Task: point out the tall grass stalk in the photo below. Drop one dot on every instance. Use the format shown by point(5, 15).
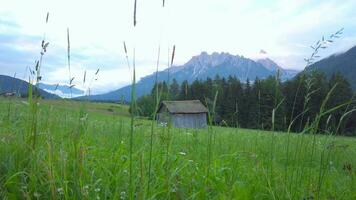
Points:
point(127, 57)
point(133, 110)
point(154, 114)
point(167, 157)
point(68, 62)
point(169, 64)
point(289, 188)
point(211, 115)
point(273, 136)
point(50, 152)
point(9, 104)
point(323, 160)
point(134, 16)
point(315, 128)
point(272, 149)
point(291, 120)
point(34, 102)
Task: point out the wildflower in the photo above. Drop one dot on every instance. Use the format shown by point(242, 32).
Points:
point(37, 195)
point(123, 195)
point(164, 124)
point(60, 191)
point(97, 190)
point(85, 190)
point(84, 118)
point(182, 153)
point(174, 189)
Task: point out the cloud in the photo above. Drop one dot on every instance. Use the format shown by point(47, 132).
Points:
point(20, 51)
point(285, 29)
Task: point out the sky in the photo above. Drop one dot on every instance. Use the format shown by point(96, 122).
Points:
point(285, 29)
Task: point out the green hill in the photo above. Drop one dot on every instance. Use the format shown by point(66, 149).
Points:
point(19, 87)
point(343, 63)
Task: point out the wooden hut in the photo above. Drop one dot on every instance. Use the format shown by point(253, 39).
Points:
point(8, 94)
point(183, 114)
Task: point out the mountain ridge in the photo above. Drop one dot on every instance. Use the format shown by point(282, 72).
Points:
point(343, 63)
point(10, 84)
point(200, 67)
point(272, 66)
point(61, 90)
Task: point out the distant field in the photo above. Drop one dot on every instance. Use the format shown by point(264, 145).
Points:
point(82, 151)
point(93, 107)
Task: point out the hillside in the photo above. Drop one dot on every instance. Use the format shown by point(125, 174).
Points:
point(201, 67)
point(343, 63)
point(20, 87)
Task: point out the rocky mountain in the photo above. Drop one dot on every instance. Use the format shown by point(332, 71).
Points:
point(10, 84)
point(285, 74)
point(343, 63)
point(61, 90)
point(201, 67)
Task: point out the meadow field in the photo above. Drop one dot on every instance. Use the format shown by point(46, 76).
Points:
point(85, 150)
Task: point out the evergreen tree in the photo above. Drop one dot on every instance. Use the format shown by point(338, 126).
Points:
point(251, 105)
point(146, 105)
point(184, 91)
point(318, 88)
point(254, 120)
point(341, 95)
point(174, 89)
point(294, 92)
point(234, 91)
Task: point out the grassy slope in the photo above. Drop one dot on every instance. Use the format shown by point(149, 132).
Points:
point(86, 156)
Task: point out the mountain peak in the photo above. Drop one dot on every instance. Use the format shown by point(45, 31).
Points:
point(201, 67)
point(269, 64)
point(213, 59)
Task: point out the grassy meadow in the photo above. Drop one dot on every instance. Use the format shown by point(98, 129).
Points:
point(83, 151)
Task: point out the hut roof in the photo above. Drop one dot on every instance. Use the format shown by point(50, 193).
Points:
point(184, 107)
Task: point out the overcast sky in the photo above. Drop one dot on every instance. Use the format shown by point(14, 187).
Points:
point(283, 28)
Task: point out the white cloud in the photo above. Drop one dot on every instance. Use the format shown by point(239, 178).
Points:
point(283, 28)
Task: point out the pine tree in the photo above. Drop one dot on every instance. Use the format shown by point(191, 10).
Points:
point(341, 95)
point(174, 89)
point(234, 91)
point(250, 105)
point(294, 92)
point(184, 91)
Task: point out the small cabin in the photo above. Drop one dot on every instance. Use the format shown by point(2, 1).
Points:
point(8, 94)
point(183, 114)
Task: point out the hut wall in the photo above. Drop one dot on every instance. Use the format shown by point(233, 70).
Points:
point(189, 120)
point(163, 117)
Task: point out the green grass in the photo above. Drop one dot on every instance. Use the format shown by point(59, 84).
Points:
point(82, 152)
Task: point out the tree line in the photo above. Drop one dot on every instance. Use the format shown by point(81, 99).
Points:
point(267, 104)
